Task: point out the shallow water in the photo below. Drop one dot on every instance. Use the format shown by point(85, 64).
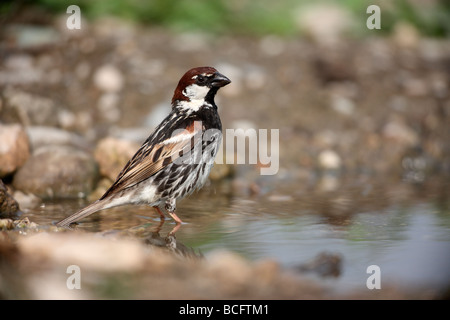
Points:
point(406, 235)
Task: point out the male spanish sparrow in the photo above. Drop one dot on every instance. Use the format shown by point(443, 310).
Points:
point(177, 157)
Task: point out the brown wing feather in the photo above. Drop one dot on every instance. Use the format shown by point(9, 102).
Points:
point(143, 165)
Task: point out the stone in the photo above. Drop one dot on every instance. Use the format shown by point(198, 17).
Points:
point(329, 160)
point(27, 108)
point(108, 78)
point(6, 224)
point(26, 200)
point(342, 105)
point(43, 136)
point(14, 148)
point(108, 107)
point(397, 130)
point(32, 36)
point(405, 35)
point(57, 172)
point(334, 19)
point(8, 205)
point(112, 155)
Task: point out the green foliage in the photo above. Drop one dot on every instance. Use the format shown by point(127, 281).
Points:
point(254, 17)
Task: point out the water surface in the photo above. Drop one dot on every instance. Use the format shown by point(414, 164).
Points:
point(406, 236)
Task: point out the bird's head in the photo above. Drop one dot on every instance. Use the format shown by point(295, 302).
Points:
point(197, 87)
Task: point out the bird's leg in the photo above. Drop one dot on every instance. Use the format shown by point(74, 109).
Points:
point(161, 214)
point(175, 229)
point(171, 207)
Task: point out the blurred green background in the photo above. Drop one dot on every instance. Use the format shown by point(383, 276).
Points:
point(250, 17)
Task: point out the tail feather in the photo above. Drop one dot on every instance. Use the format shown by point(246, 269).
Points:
point(90, 209)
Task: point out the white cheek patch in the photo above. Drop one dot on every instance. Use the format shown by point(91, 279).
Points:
point(196, 95)
point(196, 92)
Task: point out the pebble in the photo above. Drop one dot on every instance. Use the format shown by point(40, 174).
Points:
point(108, 106)
point(88, 251)
point(400, 132)
point(32, 36)
point(108, 78)
point(26, 200)
point(112, 154)
point(57, 172)
point(406, 36)
point(229, 267)
point(325, 264)
point(334, 20)
point(342, 105)
point(272, 45)
point(221, 171)
point(43, 136)
point(329, 160)
point(8, 205)
point(280, 198)
point(256, 79)
point(190, 42)
point(29, 109)
point(6, 224)
point(14, 148)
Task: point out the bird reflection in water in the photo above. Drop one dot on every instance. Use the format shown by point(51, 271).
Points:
point(170, 243)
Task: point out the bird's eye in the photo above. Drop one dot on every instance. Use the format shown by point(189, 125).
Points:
point(201, 79)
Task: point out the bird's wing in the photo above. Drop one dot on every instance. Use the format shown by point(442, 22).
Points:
point(154, 156)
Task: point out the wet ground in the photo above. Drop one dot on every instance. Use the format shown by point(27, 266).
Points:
point(363, 176)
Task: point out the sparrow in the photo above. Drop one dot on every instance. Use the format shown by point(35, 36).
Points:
point(178, 155)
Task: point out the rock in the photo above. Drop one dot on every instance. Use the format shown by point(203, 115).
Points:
point(112, 154)
point(32, 36)
point(272, 45)
point(397, 130)
point(328, 183)
point(108, 107)
point(415, 87)
point(221, 171)
point(6, 224)
point(18, 69)
point(136, 134)
point(405, 35)
point(26, 200)
point(190, 42)
point(329, 160)
point(57, 172)
point(8, 205)
point(342, 105)
point(28, 109)
point(44, 136)
point(231, 269)
point(108, 78)
point(335, 20)
point(326, 264)
point(24, 223)
point(14, 148)
point(279, 198)
point(103, 254)
point(256, 79)
point(102, 185)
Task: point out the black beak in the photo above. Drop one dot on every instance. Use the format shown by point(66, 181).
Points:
point(219, 80)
